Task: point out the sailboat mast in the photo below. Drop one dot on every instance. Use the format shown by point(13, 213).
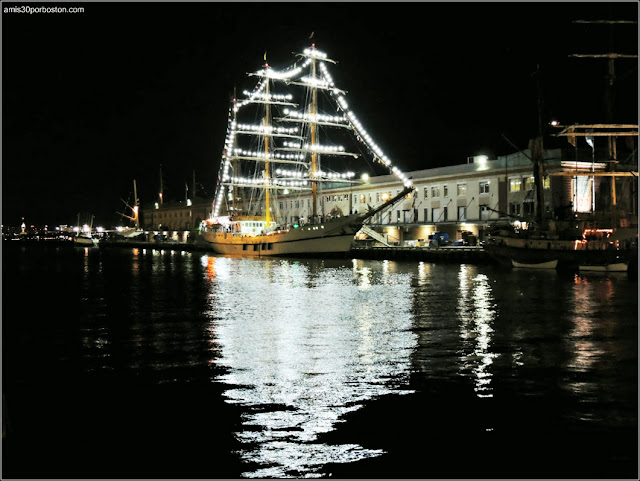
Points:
point(135, 204)
point(267, 199)
point(234, 165)
point(313, 112)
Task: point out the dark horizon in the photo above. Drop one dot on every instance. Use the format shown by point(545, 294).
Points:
point(97, 99)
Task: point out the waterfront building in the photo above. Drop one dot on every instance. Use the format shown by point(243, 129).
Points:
point(462, 200)
point(175, 216)
point(471, 198)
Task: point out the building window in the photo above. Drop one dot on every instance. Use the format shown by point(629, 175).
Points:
point(397, 216)
point(515, 185)
point(514, 208)
point(297, 204)
point(377, 196)
point(462, 190)
point(462, 213)
point(529, 183)
point(426, 215)
point(484, 186)
point(280, 205)
point(363, 199)
point(445, 190)
point(426, 192)
point(546, 183)
point(527, 208)
point(444, 214)
point(484, 212)
point(435, 191)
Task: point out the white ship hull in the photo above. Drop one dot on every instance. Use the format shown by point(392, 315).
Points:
point(332, 237)
point(81, 241)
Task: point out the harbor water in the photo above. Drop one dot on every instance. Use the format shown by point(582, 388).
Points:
point(128, 363)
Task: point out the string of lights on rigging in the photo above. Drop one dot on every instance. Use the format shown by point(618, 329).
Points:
point(348, 118)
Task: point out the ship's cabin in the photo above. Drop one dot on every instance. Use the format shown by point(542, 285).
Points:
point(251, 227)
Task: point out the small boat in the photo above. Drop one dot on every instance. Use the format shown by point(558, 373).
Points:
point(616, 267)
point(541, 265)
point(85, 241)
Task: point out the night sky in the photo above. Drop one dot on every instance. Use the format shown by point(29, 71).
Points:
point(94, 100)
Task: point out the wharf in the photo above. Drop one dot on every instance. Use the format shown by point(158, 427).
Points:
point(457, 254)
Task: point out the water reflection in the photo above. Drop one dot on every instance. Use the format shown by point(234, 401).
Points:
point(303, 348)
point(476, 311)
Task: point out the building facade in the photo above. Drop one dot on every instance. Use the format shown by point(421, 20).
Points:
point(464, 199)
point(175, 216)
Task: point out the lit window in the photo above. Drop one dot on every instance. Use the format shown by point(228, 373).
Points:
point(435, 191)
point(515, 184)
point(462, 190)
point(529, 183)
point(445, 190)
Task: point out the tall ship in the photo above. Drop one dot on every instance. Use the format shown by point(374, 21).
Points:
point(289, 137)
point(587, 238)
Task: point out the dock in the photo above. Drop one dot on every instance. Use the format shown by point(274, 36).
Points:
point(453, 254)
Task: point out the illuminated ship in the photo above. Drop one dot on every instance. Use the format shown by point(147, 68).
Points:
point(589, 241)
point(287, 157)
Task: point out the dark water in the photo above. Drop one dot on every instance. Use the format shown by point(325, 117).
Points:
point(131, 363)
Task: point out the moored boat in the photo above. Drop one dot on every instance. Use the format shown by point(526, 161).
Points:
point(84, 241)
point(616, 267)
point(288, 154)
point(541, 265)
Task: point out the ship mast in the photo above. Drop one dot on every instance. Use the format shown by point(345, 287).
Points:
point(136, 205)
point(266, 154)
point(609, 97)
point(313, 112)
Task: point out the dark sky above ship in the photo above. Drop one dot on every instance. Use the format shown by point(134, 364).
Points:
point(94, 100)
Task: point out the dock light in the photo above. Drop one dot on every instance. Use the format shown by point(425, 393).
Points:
point(482, 159)
point(157, 206)
point(365, 177)
point(555, 123)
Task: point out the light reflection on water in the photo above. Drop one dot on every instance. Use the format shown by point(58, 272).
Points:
point(309, 347)
point(476, 311)
point(303, 348)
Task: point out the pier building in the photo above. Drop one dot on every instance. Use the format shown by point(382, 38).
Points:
point(464, 201)
point(469, 199)
point(175, 216)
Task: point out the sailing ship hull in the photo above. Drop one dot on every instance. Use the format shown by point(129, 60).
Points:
point(329, 238)
point(569, 254)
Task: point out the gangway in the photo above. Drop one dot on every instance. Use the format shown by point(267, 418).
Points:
point(374, 235)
